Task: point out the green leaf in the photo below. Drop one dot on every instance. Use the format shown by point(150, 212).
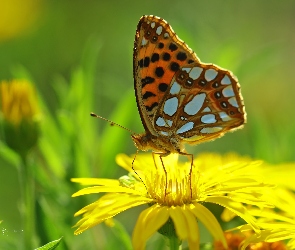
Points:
point(51, 245)
point(9, 155)
point(121, 233)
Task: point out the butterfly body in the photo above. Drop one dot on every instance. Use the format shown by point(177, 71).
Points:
point(161, 144)
point(180, 99)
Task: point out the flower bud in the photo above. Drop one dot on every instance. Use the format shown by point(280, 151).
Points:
point(20, 113)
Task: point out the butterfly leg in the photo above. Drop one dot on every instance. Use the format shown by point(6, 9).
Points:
point(134, 161)
point(134, 169)
point(161, 155)
point(191, 170)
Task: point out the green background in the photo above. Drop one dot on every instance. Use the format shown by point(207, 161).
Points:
point(79, 56)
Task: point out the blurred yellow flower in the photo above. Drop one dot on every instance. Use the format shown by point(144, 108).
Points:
point(17, 16)
point(276, 224)
point(175, 193)
point(20, 113)
point(18, 101)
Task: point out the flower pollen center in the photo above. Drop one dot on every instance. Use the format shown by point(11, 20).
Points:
point(173, 187)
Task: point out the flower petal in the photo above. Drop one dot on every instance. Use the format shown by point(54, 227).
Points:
point(106, 189)
point(193, 229)
point(99, 211)
point(179, 221)
point(124, 161)
point(237, 208)
point(96, 181)
point(210, 222)
point(149, 221)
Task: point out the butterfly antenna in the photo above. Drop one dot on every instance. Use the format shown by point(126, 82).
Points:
point(111, 122)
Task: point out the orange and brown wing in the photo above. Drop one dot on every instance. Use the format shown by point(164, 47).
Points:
point(158, 54)
point(203, 103)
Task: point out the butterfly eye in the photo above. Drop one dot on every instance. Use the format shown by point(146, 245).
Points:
point(148, 33)
point(231, 112)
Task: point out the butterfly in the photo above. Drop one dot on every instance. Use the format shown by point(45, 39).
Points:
point(180, 99)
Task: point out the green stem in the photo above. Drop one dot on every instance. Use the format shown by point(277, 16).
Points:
point(168, 231)
point(28, 205)
point(174, 243)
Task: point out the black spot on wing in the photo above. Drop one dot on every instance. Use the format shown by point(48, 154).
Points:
point(181, 56)
point(215, 85)
point(163, 87)
point(173, 47)
point(148, 94)
point(161, 45)
point(224, 105)
point(174, 66)
point(189, 82)
point(166, 56)
point(140, 63)
point(147, 80)
point(146, 62)
point(155, 57)
point(202, 83)
point(217, 95)
point(150, 108)
point(159, 72)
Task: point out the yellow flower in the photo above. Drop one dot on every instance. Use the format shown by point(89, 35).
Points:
point(18, 101)
point(17, 16)
point(175, 191)
point(20, 114)
point(276, 224)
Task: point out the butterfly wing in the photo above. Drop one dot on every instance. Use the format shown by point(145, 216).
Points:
point(158, 54)
point(202, 103)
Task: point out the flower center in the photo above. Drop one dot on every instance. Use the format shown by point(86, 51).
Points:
point(174, 186)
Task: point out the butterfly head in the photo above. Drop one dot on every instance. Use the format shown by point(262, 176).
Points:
point(142, 141)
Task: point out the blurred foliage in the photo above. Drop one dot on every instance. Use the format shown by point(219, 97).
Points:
point(79, 55)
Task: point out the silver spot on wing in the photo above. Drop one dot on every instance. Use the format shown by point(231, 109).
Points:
point(228, 91)
point(209, 118)
point(175, 88)
point(195, 104)
point(159, 30)
point(225, 80)
point(210, 74)
point(186, 127)
point(170, 106)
